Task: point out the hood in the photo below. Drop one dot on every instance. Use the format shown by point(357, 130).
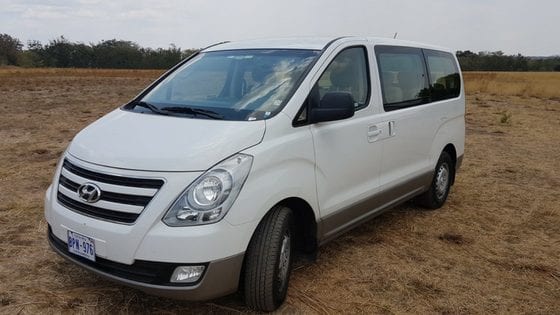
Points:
point(150, 142)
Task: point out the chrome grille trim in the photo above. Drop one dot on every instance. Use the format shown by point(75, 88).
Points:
point(122, 198)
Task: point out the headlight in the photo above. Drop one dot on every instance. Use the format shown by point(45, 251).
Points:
point(210, 196)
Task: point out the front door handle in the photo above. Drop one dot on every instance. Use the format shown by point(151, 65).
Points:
point(373, 133)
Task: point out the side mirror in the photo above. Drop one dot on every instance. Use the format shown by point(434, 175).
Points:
point(333, 106)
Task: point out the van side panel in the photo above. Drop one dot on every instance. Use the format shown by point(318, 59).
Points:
point(417, 134)
point(403, 84)
point(452, 129)
point(283, 167)
point(422, 125)
point(366, 209)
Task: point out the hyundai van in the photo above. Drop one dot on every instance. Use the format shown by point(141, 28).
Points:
point(249, 154)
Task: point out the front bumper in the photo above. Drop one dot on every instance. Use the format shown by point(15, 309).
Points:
point(221, 277)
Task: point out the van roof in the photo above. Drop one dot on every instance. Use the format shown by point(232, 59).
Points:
point(313, 43)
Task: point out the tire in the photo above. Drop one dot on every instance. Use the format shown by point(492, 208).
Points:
point(268, 262)
point(444, 173)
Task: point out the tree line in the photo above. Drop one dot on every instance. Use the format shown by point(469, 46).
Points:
point(121, 54)
point(61, 53)
point(498, 61)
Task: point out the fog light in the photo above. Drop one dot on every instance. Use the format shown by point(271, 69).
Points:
point(187, 274)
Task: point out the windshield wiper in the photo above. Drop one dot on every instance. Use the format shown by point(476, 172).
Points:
point(151, 107)
point(193, 111)
point(178, 110)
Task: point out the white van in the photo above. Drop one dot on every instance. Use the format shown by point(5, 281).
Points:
point(249, 153)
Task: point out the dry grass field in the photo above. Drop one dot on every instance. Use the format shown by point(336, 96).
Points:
point(493, 248)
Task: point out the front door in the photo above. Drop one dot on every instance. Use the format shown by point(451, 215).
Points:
point(347, 152)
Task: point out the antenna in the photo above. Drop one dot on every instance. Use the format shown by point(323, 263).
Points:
point(395, 36)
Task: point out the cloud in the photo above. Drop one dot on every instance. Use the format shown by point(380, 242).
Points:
point(512, 26)
point(141, 14)
point(43, 12)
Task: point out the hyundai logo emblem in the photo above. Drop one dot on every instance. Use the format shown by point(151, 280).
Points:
point(89, 192)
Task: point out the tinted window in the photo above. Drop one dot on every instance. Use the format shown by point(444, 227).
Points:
point(403, 76)
point(348, 72)
point(445, 81)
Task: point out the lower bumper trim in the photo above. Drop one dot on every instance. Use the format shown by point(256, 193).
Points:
point(221, 277)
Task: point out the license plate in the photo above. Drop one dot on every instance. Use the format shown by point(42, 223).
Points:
point(81, 245)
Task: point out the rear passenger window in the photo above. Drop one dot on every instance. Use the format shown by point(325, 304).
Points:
point(445, 80)
point(403, 76)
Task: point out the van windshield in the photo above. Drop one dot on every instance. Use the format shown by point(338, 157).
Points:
point(231, 85)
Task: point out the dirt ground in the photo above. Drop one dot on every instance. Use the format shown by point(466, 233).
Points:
point(493, 248)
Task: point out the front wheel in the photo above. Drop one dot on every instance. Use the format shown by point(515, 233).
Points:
point(436, 196)
point(268, 262)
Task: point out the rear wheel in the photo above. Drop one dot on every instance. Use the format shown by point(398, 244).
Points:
point(436, 196)
point(268, 262)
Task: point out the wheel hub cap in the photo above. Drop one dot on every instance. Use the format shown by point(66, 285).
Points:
point(442, 181)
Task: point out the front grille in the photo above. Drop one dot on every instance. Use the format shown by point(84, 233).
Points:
point(156, 273)
point(113, 179)
point(95, 211)
point(122, 198)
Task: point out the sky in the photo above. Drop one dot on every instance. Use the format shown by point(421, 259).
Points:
point(531, 28)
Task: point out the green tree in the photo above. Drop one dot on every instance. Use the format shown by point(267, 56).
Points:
point(57, 53)
point(161, 58)
point(498, 61)
point(10, 48)
point(117, 54)
point(34, 56)
point(188, 52)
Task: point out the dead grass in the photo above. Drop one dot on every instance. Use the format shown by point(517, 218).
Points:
point(494, 247)
point(544, 85)
point(79, 72)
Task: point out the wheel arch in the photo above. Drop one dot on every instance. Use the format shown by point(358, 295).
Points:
point(450, 149)
point(305, 225)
